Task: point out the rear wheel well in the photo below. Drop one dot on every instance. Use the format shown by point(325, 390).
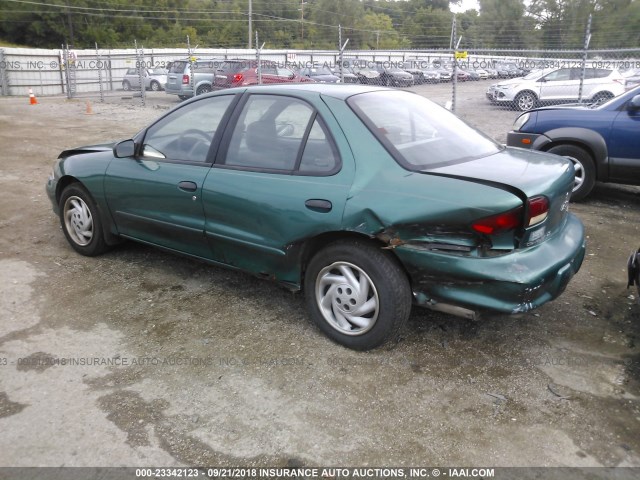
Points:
point(313, 245)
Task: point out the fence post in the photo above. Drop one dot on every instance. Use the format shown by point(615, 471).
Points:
point(587, 39)
point(67, 72)
point(259, 66)
point(4, 78)
point(141, 75)
point(454, 80)
point(99, 66)
point(191, 63)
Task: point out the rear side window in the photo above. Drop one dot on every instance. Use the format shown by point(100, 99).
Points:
point(178, 67)
point(418, 133)
point(281, 134)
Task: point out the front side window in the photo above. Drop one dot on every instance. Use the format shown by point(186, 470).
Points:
point(559, 75)
point(187, 133)
point(418, 133)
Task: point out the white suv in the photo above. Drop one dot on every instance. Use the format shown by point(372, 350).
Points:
point(559, 85)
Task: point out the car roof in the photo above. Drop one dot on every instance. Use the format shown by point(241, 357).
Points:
point(340, 91)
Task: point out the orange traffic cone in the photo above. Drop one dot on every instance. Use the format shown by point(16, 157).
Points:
point(89, 109)
point(32, 98)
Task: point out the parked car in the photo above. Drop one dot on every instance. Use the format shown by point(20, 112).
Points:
point(187, 76)
point(508, 70)
point(319, 74)
point(393, 76)
point(431, 75)
point(602, 142)
point(237, 73)
point(365, 74)
point(415, 69)
point(154, 79)
point(559, 85)
point(631, 78)
point(327, 189)
point(463, 75)
point(492, 72)
point(481, 72)
point(345, 74)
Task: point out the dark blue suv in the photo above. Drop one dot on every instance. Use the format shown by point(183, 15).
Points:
point(603, 142)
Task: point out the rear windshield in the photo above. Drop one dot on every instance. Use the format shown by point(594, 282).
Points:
point(420, 134)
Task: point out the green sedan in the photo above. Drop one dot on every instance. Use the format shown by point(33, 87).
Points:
point(370, 200)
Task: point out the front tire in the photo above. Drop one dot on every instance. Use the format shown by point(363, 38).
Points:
point(80, 221)
point(525, 101)
point(155, 86)
point(584, 166)
point(126, 86)
point(357, 294)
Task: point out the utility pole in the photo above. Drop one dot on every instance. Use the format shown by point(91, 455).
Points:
point(250, 15)
point(301, 9)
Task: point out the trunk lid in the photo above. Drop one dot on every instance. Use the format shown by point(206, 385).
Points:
point(527, 175)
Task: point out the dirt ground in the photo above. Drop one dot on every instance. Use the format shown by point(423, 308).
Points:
point(142, 358)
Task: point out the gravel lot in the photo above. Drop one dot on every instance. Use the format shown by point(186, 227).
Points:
point(172, 362)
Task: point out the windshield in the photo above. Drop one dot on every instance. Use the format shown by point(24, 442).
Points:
point(534, 75)
point(320, 71)
point(420, 134)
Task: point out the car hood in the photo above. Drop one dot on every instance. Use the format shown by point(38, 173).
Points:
point(369, 73)
point(103, 147)
point(569, 106)
point(532, 173)
point(325, 78)
point(512, 81)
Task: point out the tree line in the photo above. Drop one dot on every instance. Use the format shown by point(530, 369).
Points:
point(314, 24)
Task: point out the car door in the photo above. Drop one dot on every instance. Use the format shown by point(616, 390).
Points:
point(156, 196)
point(133, 78)
point(279, 179)
point(558, 85)
point(624, 147)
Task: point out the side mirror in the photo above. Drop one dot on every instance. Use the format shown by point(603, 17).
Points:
point(634, 104)
point(124, 149)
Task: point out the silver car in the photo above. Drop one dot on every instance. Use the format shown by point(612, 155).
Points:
point(559, 85)
point(154, 79)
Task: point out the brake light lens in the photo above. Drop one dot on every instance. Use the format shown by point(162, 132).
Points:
point(538, 209)
point(185, 79)
point(237, 78)
point(500, 223)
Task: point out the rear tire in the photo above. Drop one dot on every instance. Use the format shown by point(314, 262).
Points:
point(602, 97)
point(584, 166)
point(202, 89)
point(357, 294)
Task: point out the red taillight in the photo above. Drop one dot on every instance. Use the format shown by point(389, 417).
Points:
point(237, 78)
point(538, 208)
point(499, 223)
point(185, 79)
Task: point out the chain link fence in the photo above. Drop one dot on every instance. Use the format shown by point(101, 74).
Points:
point(506, 79)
